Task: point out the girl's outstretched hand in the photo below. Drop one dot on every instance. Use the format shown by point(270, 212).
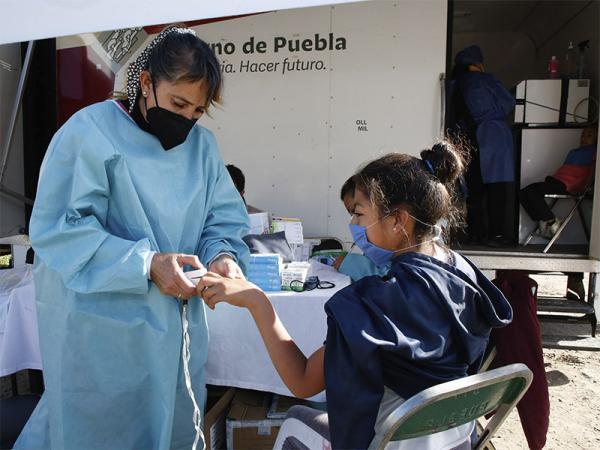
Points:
point(214, 288)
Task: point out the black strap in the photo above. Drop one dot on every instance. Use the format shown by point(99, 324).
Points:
point(564, 93)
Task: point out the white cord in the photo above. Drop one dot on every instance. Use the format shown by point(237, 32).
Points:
point(185, 355)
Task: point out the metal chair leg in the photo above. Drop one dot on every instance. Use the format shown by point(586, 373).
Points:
point(584, 224)
point(537, 224)
point(530, 237)
point(591, 297)
point(562, 227)
point(593, 323)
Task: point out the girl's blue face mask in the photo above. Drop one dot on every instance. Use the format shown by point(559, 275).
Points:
point(381, 256)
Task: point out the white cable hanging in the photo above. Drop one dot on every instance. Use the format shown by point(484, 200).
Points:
point(185, 356)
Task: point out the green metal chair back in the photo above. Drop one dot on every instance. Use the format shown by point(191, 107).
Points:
point(457, 402)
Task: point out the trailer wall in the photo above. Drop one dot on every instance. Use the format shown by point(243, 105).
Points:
point(12, 212)
point(299, 134)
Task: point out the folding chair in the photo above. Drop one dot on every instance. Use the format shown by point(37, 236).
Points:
point(488, 358)
point(577, 205)
point(328, 243)
point(457, 402)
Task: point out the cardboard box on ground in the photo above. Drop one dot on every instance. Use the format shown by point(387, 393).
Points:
point(218, 401)
point(255, 418)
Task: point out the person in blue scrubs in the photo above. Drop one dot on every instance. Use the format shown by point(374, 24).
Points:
point(479, 106)
point(355, 265)
point(130, 194)
point(427, 322)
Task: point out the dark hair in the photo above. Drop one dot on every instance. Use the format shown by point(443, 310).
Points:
point(425, 186)
point(184, 57)
point(236, 174)
point(348, 187)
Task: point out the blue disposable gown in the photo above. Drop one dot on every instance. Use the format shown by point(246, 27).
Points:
point(489, 103)
point(359, 266)
point(111, 342)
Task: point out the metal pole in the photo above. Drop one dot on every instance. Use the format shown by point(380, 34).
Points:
point(443, 105)
point(16, 107)
point(15, 195)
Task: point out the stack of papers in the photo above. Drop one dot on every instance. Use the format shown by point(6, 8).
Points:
point(259, 223)
point(292, 227)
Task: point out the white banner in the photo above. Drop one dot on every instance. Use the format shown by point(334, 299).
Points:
point(40, 19)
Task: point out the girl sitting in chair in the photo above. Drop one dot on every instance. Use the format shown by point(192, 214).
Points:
point(425, 323)
point(355, 265)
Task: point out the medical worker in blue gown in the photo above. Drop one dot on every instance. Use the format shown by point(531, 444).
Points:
point(426, 322)
point(130, 193)
point(479, 108)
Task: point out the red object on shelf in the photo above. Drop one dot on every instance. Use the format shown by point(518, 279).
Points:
point(553, 67)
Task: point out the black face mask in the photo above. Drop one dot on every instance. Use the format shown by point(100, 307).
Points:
point(170, 128)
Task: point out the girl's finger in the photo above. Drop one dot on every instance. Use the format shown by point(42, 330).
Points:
point(211, 304)
point(209, 293)
point(208, 280)
point(215, 300)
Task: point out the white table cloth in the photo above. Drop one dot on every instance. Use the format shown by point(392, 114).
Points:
point(237, 355)
point(19, 341)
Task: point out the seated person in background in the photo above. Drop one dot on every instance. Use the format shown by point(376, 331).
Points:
point(239, 180)
point(355, 265)
point(427, 322)
point(572, 177)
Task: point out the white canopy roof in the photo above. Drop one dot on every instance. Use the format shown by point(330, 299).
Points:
point(25, 20)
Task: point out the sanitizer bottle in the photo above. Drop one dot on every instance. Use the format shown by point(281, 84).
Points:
point(570, 62)
point(553, 67)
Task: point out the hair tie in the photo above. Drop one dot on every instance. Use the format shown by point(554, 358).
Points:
point(141, 63)
point(429, 166)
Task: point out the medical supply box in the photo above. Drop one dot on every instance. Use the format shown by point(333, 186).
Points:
point(294, 271)
point(255, 418)
point(264, 270)
point(248, 426)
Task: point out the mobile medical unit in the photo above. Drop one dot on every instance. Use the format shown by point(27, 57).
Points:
point(313, 90)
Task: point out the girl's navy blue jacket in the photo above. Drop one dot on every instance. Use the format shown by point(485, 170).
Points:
point(425, 323)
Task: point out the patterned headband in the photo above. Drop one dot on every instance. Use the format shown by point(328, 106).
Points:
point(141, 63)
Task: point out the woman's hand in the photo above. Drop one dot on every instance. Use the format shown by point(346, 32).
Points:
point(167, 274)
point(225, 266)
point(214, 288)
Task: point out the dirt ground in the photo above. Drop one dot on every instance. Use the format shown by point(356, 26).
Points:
point(574, 385)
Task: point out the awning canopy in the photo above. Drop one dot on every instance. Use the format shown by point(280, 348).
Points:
point(25, 20)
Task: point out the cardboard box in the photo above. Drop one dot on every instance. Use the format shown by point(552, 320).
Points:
point(248, 427)
point(255, 418)
point(281, 404)
point(218, 401)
